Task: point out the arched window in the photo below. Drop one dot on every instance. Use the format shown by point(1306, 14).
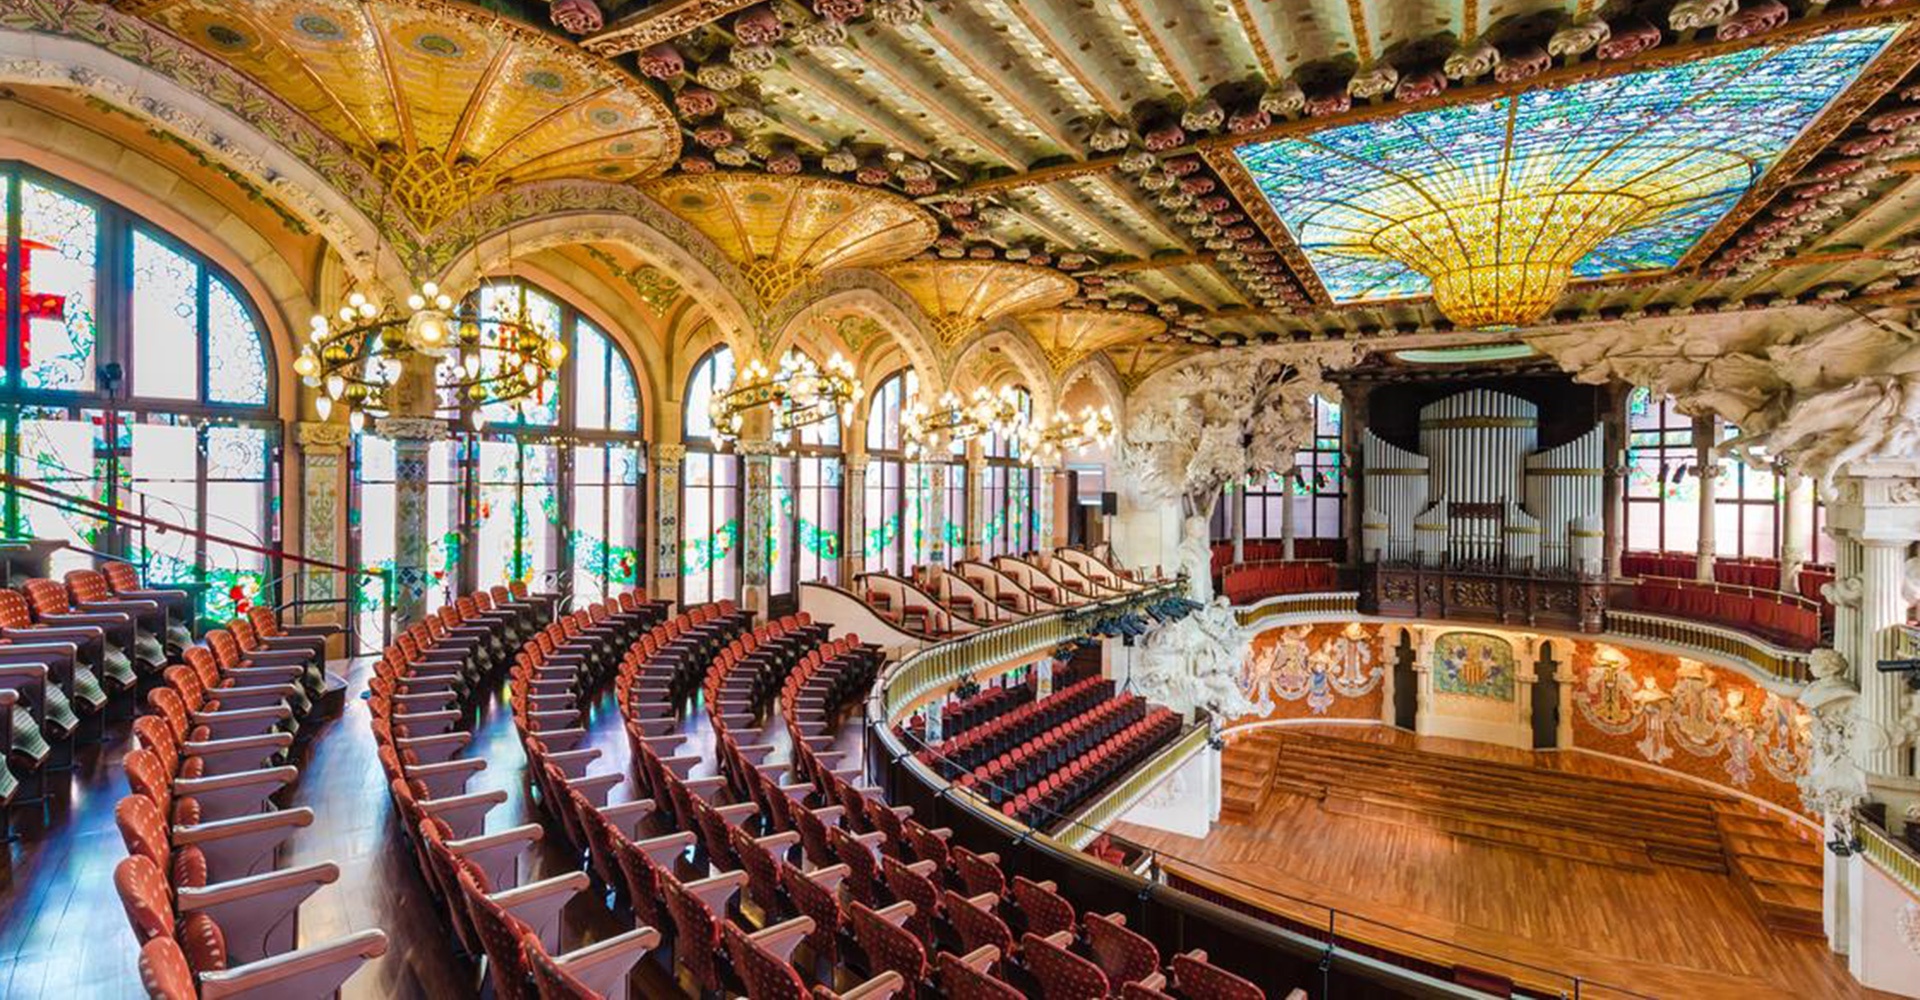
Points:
point(1012, 522)
point(552, 479)
point(138, 378)
point(1316, 489)
point(803, 538)
point(709, 490)
point(894, 500)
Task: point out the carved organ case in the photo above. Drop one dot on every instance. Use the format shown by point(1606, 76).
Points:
point(1481, 494)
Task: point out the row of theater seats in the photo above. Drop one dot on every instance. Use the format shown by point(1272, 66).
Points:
point(422, 706)
point(212, 912)
point(978, 747)
point(1781, 618)
point(938, 919)
point(1251, 582)
point(69, 651)
point(1044, 782)
point(1256, 550)
point(1742, 572)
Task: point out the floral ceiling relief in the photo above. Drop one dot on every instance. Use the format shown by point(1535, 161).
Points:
point(1683, 715)
point(1302, 671)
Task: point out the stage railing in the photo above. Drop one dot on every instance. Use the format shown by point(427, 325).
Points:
point(1279, 941)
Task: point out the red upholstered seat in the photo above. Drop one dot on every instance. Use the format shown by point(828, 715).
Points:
point(1062, 974)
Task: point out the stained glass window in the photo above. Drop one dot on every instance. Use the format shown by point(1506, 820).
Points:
point(1663, 487)
point(1012, 520)
point(187, 436)
point(898, 498)
point(1619, 174)
point(710, 494)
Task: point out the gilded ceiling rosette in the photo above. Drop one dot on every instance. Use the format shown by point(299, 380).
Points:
point(961, 295)
point(443, 102)
point(1067, 335)
point(781, 230)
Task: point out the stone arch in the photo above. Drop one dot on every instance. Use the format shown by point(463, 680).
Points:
point(641, 349)
point(1096, 370)
point(654, 237)
point(867, 291)
point(51, 57)
point(1025, 357)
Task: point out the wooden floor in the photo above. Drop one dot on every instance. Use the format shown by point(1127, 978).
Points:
point(64, 935)
point(1661, 929)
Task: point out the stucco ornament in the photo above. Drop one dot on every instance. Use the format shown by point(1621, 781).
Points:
point(1833, 784)
point(1814, 385)
point(1191, 664)
point(1907, 922)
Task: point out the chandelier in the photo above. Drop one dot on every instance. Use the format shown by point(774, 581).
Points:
point(928, 430)
point(800, 393)
point(1049, 440)
point(359, 355)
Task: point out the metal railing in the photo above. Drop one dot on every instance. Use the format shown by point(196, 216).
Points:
point(1894, 858)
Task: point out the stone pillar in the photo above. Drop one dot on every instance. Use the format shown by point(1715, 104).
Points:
point(412, 437)
point(853, 517)
point(323, 444)
point(665, 523)
point(1796, 515)
point(1563, 673)
point(1237, 520)
point(934, 519)
point(1286, 514)
point(1389, 659)
point(756, 518)
point(1613, 505)
point(1060, 511)
point(1423, 677)
point(1709, 468)
point(1882, 607)
point(1355, 415)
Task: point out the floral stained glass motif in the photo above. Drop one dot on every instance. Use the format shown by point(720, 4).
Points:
point(166, 321)
point(1658, 155)
point(236, 361)
point(60, 245)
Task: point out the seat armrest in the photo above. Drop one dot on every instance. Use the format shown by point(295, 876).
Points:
point(781, 939)
point(244, 845)
point(239, 793)
point(446, 778)
point(245, 753)
point(603, 966)
point(662, 850)
point(538, 904)
point(258, 914)
point(897, 914)
point(627, 816)
point(881, 987)
point(316, 971)
point(716, 890)
point(466, 814)
point(498, 854)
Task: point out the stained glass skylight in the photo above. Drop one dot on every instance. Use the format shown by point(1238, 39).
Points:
point(1501, 200)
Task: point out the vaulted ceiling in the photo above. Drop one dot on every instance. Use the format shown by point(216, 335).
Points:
point(1102, 137)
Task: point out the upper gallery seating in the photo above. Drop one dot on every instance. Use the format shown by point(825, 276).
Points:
point(1783, 618)
point(1245, 583)
point(1258, 550)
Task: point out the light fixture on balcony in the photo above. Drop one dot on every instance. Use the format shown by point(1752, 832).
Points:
point(800, 393)
point(1045, 442)
point(357, 356)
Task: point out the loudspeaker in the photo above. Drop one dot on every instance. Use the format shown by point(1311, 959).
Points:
point(1109, 503)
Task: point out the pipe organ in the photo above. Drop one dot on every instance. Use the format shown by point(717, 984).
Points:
point(1481, 494)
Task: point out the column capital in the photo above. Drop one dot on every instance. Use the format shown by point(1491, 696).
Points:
point(411, 428)
point(322, 436)
point(668, 454)
point(756, 446)
point(857, 463)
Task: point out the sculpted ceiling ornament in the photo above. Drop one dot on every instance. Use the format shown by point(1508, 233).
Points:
point(1816, 388)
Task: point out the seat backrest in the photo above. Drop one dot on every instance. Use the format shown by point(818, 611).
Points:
point(1124, 956)
point(500, 933)
point(550, 979)
point(88, 586)
point(164, 972)
point(1062, 974)
point(146, 896)
point(889, 948)
point(46, 597)
point(263, 620)
point(696, 934)
point(1047, 912)
point(121, 577)
point(817, 903)
point(147, 777)
point(978, 874)
point(144, 830)
point(225, 648)
point(15, 612)
point(915, 888)
point(976, 926)
point(766, 976)
point(960, 982)
point(165, 703)
point(643, 883)
point(1194, 976)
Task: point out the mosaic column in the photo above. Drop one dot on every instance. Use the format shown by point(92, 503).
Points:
point(934, 519)
point(976, 501)
point(756, 518)
point(322, 484)
point(1707, 466)
point(853, 490)
point(412, 437)
point(1043, 494)
point(665, 523)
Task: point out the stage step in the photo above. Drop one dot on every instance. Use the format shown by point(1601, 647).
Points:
point(1780, 870)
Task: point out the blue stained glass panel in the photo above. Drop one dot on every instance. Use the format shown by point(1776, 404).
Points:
point(1693, 137)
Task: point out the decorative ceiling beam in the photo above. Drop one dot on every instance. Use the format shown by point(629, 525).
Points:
point(1156, 263)
point(894, 70)
point(999, 84)
point(857, 106)
point(659, 23)
point(1043, 175)
point(1158, 46)
point(1063, 54)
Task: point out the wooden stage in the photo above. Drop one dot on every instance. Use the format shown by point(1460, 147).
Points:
point(1562, 861)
